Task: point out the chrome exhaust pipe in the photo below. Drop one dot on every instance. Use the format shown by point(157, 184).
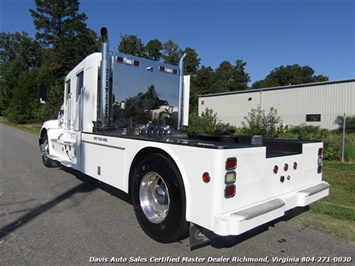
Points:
point(181, 88)
point(105, 76)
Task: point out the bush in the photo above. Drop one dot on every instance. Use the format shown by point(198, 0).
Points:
point(349, 123)
point(333, 141)
point(206, 123)
point(258, 123)
point(309, 132)
point(350, 147)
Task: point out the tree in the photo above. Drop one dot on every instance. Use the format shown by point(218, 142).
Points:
point(204, 79)
point(131, 44)
point(18, 55)
point(55, 20)
point(201, 83)
point(289, 75)
point(153, 49)
point(62, 28)
point(24, 104)
point(66, 40)
point(171, 53)
point(261, 84)
point(191, 61)
point(231, 78)
point(241, 78)
point(224, 76)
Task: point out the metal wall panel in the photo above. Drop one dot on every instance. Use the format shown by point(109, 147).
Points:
point(326, 100)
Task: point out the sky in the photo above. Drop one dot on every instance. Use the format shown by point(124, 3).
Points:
point(265, 34)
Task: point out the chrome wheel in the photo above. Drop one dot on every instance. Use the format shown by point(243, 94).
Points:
point(154, 197)
point(45, 152)
point(158, 198)
point(45, 147)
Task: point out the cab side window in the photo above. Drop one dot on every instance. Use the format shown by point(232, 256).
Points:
point(80, 83)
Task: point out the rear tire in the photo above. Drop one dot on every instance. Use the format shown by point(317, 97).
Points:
point(158, 198)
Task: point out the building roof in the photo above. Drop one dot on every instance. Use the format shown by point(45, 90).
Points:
point(280, 87)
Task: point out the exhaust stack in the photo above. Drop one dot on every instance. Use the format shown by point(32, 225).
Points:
point(181, 88)
point(105, 76)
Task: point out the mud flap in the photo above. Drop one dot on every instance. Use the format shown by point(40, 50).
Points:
point(199, 236)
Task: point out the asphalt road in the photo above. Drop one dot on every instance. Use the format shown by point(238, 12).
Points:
point(54, 216)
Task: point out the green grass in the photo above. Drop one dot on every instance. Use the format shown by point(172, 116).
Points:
point(29, 128)
point(342, 228)
point(341, 202)
point(335, 213)
point(2, 119)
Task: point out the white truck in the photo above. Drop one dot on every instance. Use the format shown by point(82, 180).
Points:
point(121, 123)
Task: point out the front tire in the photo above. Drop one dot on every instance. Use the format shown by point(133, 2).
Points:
point(48, 162)
point(158, 198)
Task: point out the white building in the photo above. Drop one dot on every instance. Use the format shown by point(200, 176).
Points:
point(316, 104)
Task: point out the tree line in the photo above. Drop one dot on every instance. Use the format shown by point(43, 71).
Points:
point(63, 39)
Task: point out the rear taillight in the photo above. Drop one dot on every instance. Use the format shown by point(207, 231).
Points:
point(230, 177)
point(320, 161)
point(319, 169)
point(229, 191)
point(320, 152)
point(231, 163)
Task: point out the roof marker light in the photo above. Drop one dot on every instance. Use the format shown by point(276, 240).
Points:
point(168, 70)
point(128, 61)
